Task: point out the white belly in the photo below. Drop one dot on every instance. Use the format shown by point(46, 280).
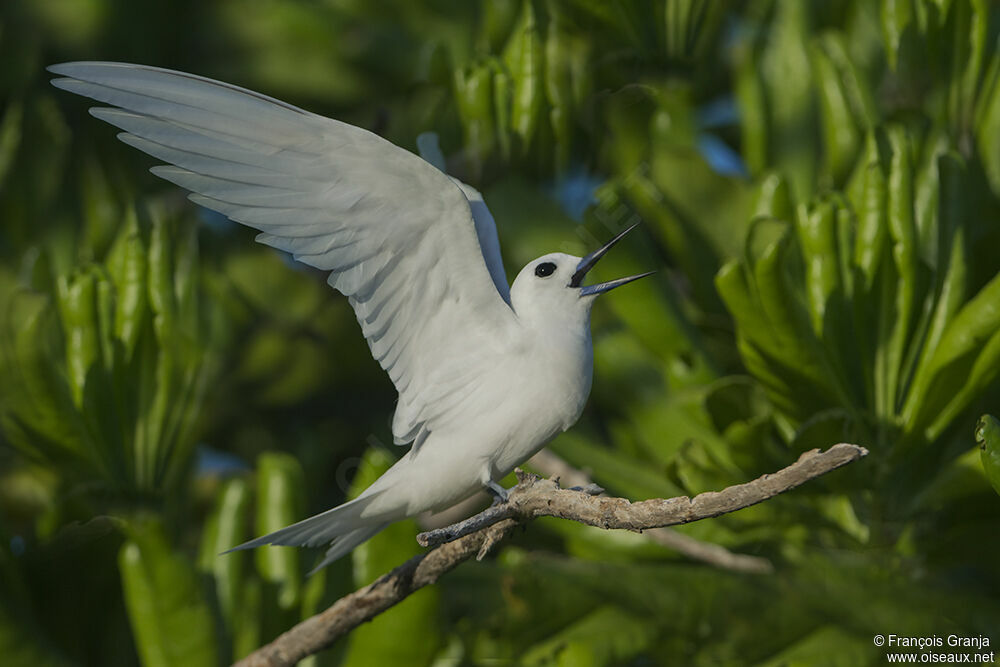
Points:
point(504, 422)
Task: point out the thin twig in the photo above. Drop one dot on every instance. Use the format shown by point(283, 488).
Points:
point(709, 552)
point(532, 497)
point(551, 465)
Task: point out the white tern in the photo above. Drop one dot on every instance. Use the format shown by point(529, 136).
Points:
point(487, 374)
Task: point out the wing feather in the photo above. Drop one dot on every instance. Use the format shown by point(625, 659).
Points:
point(414, 251)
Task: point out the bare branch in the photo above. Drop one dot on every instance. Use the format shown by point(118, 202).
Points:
point(320, 631)
point(551, 465)
point(532, 497)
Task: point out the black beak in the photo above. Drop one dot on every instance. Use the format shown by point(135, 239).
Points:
point(588, 262)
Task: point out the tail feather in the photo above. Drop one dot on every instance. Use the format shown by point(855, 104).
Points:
point(345, 543)
point(332, 525)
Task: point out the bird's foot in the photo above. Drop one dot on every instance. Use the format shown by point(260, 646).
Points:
point(499, 493)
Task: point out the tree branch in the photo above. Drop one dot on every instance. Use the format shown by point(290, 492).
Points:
point(531, 498)
point(534, 497)
point(551, 465)
point(320, 631)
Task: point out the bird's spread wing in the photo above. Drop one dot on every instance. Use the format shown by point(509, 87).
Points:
point(486, 228)
point(396, 234)
point(486, 231)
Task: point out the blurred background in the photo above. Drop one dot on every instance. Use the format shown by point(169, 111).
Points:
point(819, 186)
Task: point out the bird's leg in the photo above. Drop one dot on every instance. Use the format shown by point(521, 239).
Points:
point(498, 492)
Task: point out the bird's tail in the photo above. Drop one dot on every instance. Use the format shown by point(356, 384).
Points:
point(342, 528)
point(345, 543)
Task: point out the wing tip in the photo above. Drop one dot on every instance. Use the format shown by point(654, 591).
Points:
point(64, 83)
point(76, 67)
point(165, 171)
point(106, 113)
point(62, 69)
point(128, 138)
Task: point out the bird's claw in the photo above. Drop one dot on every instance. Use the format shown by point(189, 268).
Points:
point(499, 493)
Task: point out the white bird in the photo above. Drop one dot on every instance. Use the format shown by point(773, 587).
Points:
point(487, 374)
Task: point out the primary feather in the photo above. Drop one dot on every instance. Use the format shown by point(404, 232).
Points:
point(414, 251)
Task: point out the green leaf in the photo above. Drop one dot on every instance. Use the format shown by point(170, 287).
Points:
point(841, 131)
point(171, 622)
point(733, 284)
point(873, 230)
point(160, 279)
point(896, 16)
point(987, 122)
point(817, 235)
point(37, 400)
point(962, 344)
point(502, 99)
point(988, 439)
point(280, 503)
point(525, 60)
point(562, 52)
point(498, 20)
point(752, 97)
point(414, 623)
point(902, 231)
point(101, 210)
point(829, 645)
point(608, 635)
point(798, 355)
point(789, 100)
point(773, 199)
point(984, 371)
point(128, 269)
point(474, 99)
point(78, 309)
point(225, 529)
point(971, 21)
point(10, 137)
point(951, 277)
point(247, 623)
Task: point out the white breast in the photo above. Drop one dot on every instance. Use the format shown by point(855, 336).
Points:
point(543, 399)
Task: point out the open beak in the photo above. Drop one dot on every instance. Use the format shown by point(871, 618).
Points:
point(588, 262)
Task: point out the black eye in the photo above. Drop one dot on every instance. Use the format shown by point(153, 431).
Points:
point(545, 269)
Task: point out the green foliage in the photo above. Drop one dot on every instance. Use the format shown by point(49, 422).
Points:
point(857, 301)
point(819, 183)
point(170, 619)
point(107, 364)
point(417, 617)
point(258, 595)
point(279, 503)
point(988, 438)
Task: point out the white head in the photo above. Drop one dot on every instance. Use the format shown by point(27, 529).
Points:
point(549, 289)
